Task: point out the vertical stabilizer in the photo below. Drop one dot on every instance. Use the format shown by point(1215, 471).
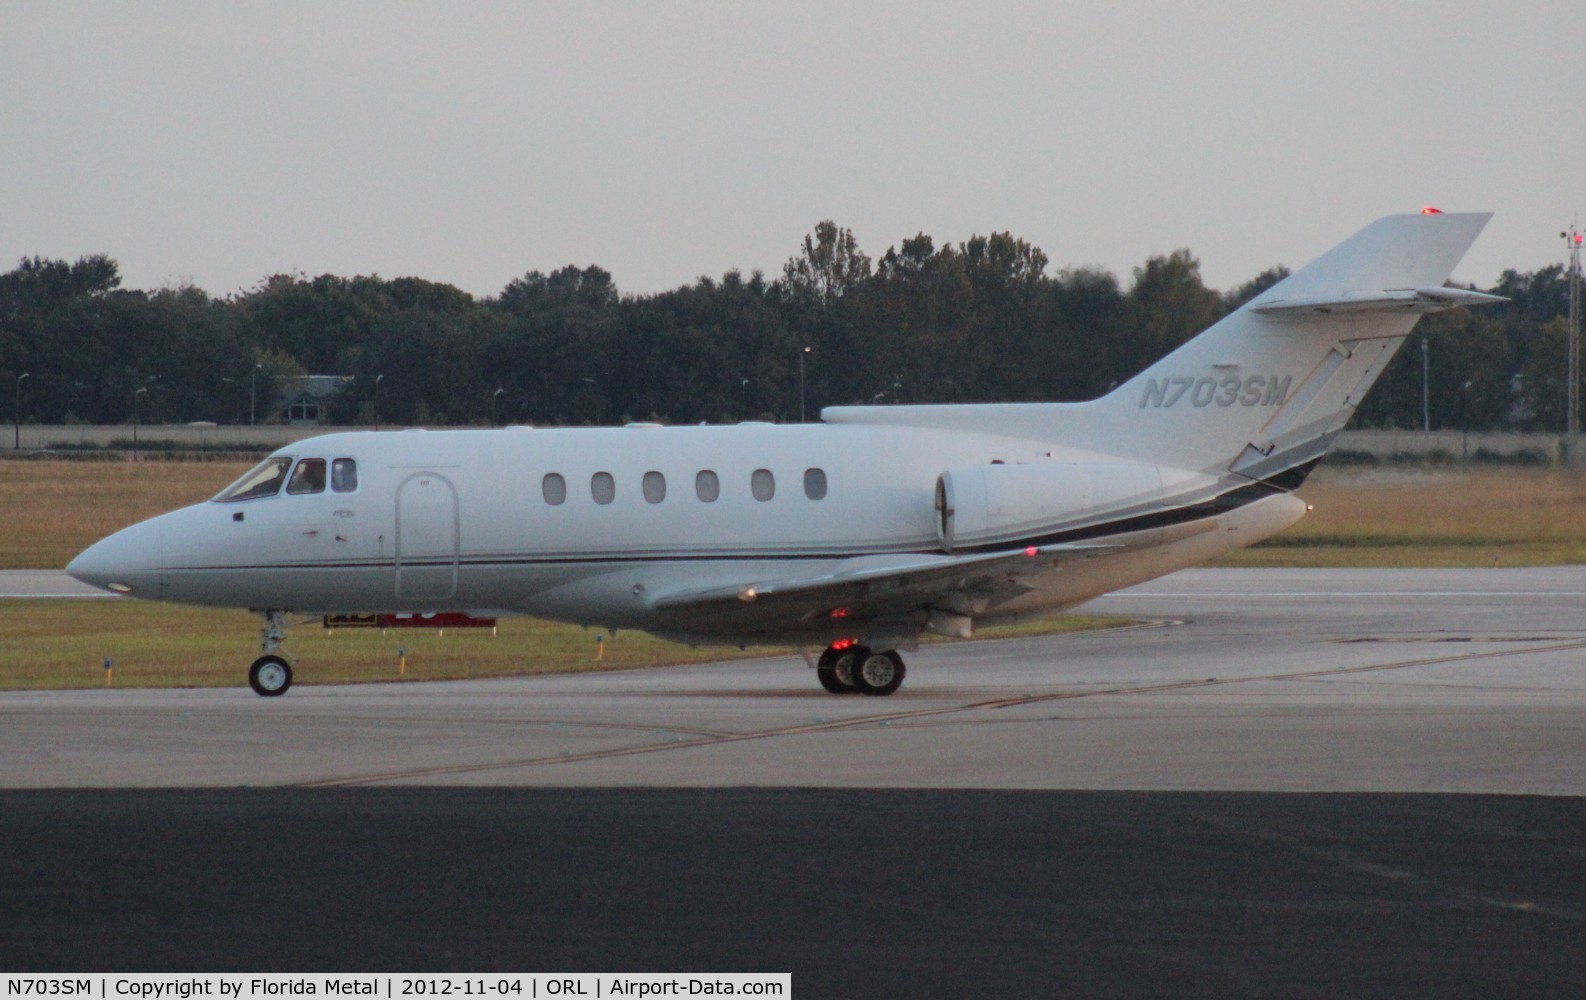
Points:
point(1265, 391)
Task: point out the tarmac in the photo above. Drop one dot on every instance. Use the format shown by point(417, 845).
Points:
point(1283, 783)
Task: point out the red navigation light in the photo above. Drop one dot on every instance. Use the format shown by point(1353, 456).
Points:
point(1031, 551)
point(1578, 238)
point(841, 644)
point(841, 612)
point(1429, 210)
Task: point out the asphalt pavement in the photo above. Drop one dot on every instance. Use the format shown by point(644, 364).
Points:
point(1285, 783)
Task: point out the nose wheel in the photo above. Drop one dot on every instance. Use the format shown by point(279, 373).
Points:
point(859, 670)
point(271, 674)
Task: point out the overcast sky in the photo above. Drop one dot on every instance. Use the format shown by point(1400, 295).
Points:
point(216, 144)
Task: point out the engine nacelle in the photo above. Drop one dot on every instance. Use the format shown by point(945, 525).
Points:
point(993, 505)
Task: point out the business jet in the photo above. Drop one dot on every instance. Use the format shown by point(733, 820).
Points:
point(854, 536)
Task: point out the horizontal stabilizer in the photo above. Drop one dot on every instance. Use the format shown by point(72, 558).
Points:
point(1404, 300)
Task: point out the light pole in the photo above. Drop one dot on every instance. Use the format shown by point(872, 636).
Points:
point(1573, 238)
point(253, 393)
point(135, 396)
point(494, 398)
point(17, 445)
point(1426, 388)
point(377, 379)
point(802, 355)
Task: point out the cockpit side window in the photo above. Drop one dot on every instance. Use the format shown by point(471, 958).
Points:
point(308, 477)
point(263, 480)
point(344, 476)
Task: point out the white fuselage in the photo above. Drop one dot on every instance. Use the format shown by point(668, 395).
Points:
point(462, 520)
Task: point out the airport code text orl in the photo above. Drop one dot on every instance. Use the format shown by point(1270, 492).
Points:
point(284, 986)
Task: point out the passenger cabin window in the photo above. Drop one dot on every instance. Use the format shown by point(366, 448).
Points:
point(263, 480)
point(815, 484)
point(344, 476)
point(706, 486)
point(602, 487)
point(308, 477)
point(654, 487)
point(762, 484)
point(555, 489)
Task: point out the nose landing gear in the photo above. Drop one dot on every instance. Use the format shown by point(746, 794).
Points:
point(854, 669)
point(271, 674)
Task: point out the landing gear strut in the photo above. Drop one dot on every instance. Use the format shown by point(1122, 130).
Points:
point(856, 669)
point(270, 674)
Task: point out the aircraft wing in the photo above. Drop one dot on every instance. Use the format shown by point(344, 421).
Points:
point(882, 574)
point(899, 593)
point(866, 589)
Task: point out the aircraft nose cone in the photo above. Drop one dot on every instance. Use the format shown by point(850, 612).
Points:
point(125, 562)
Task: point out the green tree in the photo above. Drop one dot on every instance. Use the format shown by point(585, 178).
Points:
point(1544, 384)
point(829, 266)
point(316, 321)
point(555, 346)
point(907, 330)
point(1255, 286)
point(1088, 310)
point(1168, 304)
point(1468, 375)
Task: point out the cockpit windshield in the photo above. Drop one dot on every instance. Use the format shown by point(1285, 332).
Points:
point(263, 480)
point(309, 477)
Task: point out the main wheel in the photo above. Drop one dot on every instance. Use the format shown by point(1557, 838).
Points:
point(270, 676)
point(879, 673)
point(836, 670)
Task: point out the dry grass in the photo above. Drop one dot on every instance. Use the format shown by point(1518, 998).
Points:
point(54, 510)
point(1472, 516)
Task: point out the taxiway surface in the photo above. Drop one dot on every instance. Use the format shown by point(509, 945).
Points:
point(1192, 807)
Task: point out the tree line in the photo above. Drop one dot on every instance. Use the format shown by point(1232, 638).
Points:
point(982, 320)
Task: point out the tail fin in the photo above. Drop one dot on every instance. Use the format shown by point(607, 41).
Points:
point(1264, 392)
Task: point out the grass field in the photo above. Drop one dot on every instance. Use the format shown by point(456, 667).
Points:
point(1458, 516)
point(1462, 516)
point(53, 510)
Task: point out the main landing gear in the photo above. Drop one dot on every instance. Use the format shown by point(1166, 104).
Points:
point(270, 674)
point(851, 669)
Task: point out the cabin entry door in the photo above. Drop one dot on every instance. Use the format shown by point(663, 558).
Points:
point(427, 537)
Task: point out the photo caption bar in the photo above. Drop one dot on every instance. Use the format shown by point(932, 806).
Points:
point(507, 986)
